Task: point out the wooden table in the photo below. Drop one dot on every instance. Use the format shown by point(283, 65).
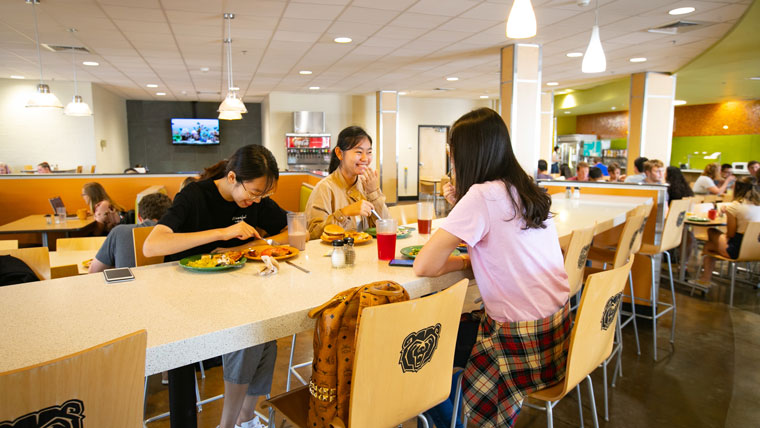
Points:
point(38, 224)
point(720, 221)
point(62, 258)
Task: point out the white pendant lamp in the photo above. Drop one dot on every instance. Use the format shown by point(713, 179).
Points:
point(231, 103)
point(77, 107)
point(521, 23)
point(43, 97)
point(594, 60)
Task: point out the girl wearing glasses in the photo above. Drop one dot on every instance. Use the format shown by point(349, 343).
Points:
point(228, 207)
point(348, 195)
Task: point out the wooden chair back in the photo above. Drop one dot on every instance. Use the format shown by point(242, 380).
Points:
point(402, 371)
point(92, 169)
point(644, 210)
point(750, 249)
point(9, 244)
point(79, 169)
point(630, 239)
point(80, 244)
point(63, 271)
point(575, 257)
point(37, 258)
point(672, 232)
point(103, 385)
point(711, 198)
point(403, 214)
point(28, 167)
point(306, 190)
point(139, 234)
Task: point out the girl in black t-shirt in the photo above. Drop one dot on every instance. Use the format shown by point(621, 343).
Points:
point(228, 207)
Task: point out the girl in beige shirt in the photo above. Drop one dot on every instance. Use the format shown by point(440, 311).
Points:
point(348, 195)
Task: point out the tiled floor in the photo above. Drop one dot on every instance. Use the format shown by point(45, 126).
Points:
point(709, 378)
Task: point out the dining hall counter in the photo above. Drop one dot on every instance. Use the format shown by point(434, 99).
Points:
point(25, 195)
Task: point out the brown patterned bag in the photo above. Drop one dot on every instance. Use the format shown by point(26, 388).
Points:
point(334, 349)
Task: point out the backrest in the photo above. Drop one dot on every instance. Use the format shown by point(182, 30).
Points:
point(139, 234)
point(644, 210)
point(402, 371)
point(750, 249)
point(80, 244)
point(9, 244)
point(37, 258)
point(628, 239)
point(306, 189)
point(575, 257)
point(404, 214)
point(595, 323)
point(711, 198)
point(63, 271)
point(672, 232)
point(79, 169)
point(103, 385)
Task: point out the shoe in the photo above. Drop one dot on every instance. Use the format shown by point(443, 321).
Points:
point(702, 285)
point(254, 423)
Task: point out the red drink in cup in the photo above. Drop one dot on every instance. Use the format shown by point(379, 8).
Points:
point(425, 216)
point(712, 214)
point(386, 239)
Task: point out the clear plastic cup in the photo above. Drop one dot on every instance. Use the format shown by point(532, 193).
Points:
point(298, 234)
point(425, 214)
point(61, 211)
point(386, 239)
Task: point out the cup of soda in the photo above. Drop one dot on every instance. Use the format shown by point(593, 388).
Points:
point(712, 214)
point(386, 238)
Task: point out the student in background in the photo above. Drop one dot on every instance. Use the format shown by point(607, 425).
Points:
point(678, 188)
point(614, 171)
point(565, 171)
point(43, 168)
point(542, 175)
point(705, 184)
point(638, 164)
point(581, 172)
point(602, 167)
point(654, 172)
point(106, 212)
point(5, 169)
point(753, 167)
point(595, 174)
point(726, 171)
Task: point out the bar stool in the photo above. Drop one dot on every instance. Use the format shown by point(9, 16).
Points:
point(748, 252)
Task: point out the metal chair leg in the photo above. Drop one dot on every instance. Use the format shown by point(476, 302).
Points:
point(673, 298)
point(549, 415)
point(580, 403)
point(457, 397)
point(633, 312)
point(203, 372)
point(606, 403)
point(423, 419)
point(593, 403)
point(654, 311)
point(732, 266)
point(197, 395)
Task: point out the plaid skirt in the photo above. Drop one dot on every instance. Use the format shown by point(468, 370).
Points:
point(510, 361)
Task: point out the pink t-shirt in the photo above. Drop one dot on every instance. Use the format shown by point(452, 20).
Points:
point(520, 273)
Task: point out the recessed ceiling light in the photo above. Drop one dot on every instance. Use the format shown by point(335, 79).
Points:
point(679, 102)
point(305, 72)
point(402, 93)
point(314, 88)
point(205, 69)
point(234, 88)
point(342, 40)
point(484, 97)
point(452, 79)
point(552, 83)
point(568, 112)
point(681, 11)
point(725, 126)
point(637, 59)
point(91, 63)
point(750, 78)
point(16, 77)
point(613, 108)
point(574, 54)
point(160, 94)
point(152, 85)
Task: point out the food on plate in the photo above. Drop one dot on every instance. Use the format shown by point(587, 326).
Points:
point(279, 252)
point(358, 236)
point(333, 232)
point(213, 260)
point(275, 251)
point(414, 251)
point(87, 263)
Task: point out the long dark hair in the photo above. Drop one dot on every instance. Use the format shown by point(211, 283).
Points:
point(677, 185)
point(482, 151)
point(248, 163)
point(747, 189)
point(347, 139)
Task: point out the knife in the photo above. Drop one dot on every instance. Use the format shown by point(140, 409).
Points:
point(296, 266)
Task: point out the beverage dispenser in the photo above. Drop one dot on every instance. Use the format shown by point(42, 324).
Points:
point(308, 145)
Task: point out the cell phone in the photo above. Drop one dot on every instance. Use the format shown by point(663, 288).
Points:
point(401, 262)
point(118, 275)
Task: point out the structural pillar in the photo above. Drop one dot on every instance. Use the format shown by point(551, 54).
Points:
point(651, 117)
point(548, 128)
point(387, 141)
point(520, 90)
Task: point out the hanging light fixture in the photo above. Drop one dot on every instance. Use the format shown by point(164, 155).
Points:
point(43, 97)
point(232, 107)
point(521, 23)
point(77, 107)
point(594, 60)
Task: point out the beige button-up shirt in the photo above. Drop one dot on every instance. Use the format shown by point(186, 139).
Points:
point(333, 193)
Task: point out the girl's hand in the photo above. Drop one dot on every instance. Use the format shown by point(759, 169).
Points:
point(449, 193)
point(241, 230)
point(362, 208)
point(370, 180)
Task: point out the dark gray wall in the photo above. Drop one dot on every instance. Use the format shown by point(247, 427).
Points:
point(150, 137)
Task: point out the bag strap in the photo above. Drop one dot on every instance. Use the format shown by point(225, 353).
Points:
point(338, 298)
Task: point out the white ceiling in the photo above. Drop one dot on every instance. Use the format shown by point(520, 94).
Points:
point(407, 45)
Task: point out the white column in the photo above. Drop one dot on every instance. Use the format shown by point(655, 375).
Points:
point(548, 136)
point(651, 116)
point(387, 140)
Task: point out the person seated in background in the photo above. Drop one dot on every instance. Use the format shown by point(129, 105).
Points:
point(5, 169)
point(678, 188)
point(118, 250)
point(614, 172)
point(565, 171)
point(581, 172)
point(638, 165)
point(654, 172)
point(542, 175)
point(744, 210)
point(43, 168)
point(595, 174)
point(705, 184)
point(187, 181)
point(602, 167)
point(130, 171)
point(753, 167)
point(107, 215)
point(726, 170)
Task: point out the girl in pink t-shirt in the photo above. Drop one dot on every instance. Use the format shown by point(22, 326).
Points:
point(504, 219)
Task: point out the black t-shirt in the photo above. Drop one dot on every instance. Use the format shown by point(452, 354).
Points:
point(200, 206)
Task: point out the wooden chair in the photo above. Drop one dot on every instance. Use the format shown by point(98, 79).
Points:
point(28, 167)
point(139, 234)
point(79, 169)
point(575, 257)
point(306, 190)
point(9, 244)
point(100, 384)
point(748, 252)
point(672, 233)
point(37, 258)
point(404, 214)
point(92, 169)
point(80, 244)
point(383, 392)
point(63, 271)
point(590, 340)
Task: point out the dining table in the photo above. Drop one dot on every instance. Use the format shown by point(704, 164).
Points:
point(692, 221)
point(38, 223)
point(72, 257)
point(191, 316)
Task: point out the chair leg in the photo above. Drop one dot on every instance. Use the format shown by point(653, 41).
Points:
point(633, 314)
point(549, 415)
point(732, 266)
point(593, 403)
point(653, 297)
point(197, 395)
point(290, 363)
point(457, 396)
point(673, 298)
point(423, 419)
point(145, 397)
point(203, 371)
point(580, 403)
point(606, 403)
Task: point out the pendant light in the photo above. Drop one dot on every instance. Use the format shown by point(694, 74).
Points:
point(43, 97)
point(521, 23)
point(77, 107)
point(232, 107)
point(594, 60)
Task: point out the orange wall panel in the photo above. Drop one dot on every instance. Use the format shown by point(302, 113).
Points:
point(740, 118)
point(605, 125)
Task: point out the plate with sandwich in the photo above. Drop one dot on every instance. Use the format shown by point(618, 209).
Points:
point(333, 232)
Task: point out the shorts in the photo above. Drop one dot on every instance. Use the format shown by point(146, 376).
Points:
point(734, 245)
point(253, 366)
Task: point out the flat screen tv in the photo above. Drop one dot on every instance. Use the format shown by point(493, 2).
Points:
point(196, 132)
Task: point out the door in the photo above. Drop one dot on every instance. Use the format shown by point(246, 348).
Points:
point(433, 155)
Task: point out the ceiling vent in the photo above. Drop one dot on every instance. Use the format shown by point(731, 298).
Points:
point(443, 89)
point(679, 27)
point(208, 92)
point(59, 48)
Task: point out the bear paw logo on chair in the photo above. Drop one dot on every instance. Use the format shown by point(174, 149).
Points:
point(610, 310)
point(67, 415)
point(418, 348)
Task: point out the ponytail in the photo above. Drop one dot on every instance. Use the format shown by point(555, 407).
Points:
point(347, 139)
point(248, 163)
point(215, 171)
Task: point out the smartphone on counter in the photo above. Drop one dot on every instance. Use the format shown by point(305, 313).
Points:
point(118, 275)
point(401, 262)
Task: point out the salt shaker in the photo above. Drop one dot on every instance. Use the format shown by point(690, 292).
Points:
point(568, 193)
point(350, 252)
point(338, 255)
point(577, 193)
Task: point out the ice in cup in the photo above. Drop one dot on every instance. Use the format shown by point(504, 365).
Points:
point(425, 216)
point(386, 238)
point(297, 232)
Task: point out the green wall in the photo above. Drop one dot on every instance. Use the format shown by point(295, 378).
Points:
point(619, 143)
point(733, 148)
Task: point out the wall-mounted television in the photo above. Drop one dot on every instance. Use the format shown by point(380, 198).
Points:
point(196, 132)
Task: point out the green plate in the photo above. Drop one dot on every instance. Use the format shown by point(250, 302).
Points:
point(699, 219)
point(401, 233)
point(407, 251)
point(184, 263)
